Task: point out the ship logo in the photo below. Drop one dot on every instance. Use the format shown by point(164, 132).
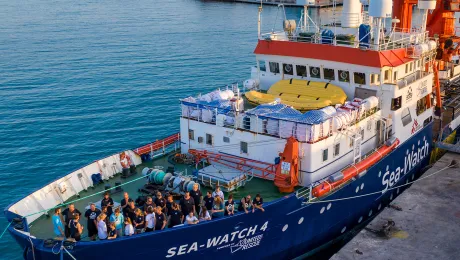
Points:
point(409, 94)
point(245, 243)
point(415, 126)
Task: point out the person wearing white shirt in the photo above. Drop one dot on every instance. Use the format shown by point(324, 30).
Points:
point(129, 229)
point(191, 219)
point(218, 192)
point(204, 214)
point(101, 227)
point(150, 220)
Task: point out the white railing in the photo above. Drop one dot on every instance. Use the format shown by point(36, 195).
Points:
point(409, 79)
point(268, 125)
point(396, 39)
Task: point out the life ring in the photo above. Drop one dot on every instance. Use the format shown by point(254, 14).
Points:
point(315, 71)
point(287, 68)
point(344, 75)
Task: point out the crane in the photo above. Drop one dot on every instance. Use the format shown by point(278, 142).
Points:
point(440, 22)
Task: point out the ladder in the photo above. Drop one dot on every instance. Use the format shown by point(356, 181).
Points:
point(357, 142)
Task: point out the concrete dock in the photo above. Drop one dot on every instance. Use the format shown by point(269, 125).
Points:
point(422, 223)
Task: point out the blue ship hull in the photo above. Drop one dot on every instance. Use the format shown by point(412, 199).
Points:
point(287, 229)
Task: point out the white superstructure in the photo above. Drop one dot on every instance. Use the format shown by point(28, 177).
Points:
point(388, 82)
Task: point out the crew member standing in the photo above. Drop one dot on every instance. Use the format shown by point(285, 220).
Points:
point(69, 213)
point(91, 214)
point(197, 196)
point(187, 204)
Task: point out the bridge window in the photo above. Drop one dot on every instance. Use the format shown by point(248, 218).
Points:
point(262, 66)
point(314, 72)
point(244, 147)
point(226, 139)
point(301, 70)
point(288, 69)
point(407, 68)
point(406, 117)
point(329, 74)
point(375, 78)
point(395, 76)
point(344, 76)
point(325, 154)
point(191, 134)
point(387, 75)
point(209, 139)
point(421, 105)
point(396, 103)
point(336, 149)
point(274, 67)
point(359, 78)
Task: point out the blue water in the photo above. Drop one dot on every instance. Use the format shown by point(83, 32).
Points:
point(80, 80)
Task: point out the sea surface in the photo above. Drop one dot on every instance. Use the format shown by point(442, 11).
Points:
point(80, 80)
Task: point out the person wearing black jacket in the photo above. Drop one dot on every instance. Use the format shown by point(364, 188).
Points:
point(175, 216)
point(160, 202)
point(91, 214)
point(187, 204)
point(131, 211)
point(197, 197)
point(107, 201)
point(69, 213)
point(125, 202)
point(208, 200)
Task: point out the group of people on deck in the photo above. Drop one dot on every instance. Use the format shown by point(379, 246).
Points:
point(156, 214)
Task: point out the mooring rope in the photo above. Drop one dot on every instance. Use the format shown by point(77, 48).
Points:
point(4, 231)
point(374, 193)
point(382, 191)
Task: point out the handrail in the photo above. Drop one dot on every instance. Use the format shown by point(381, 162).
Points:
point(157, 145)
point(404, 38)
point(268, 170)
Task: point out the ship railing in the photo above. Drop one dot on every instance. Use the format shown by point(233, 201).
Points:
point(395, 39)
point(360, 174)
point(304, 192)
point(282, 128)
point(448, 70)
point(411, 78)
point(160, 147)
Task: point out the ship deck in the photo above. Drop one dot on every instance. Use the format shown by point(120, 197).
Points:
point(43, 228)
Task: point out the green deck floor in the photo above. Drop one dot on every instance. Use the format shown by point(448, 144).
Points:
point(43, 228)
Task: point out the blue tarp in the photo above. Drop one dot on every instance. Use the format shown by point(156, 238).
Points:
point(364, 35)
point(266, 109)
point(222, 106)
point(312, 117)
point(327, 36)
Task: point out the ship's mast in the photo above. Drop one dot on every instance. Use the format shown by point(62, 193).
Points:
point(305, 12)
point(258, 19)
